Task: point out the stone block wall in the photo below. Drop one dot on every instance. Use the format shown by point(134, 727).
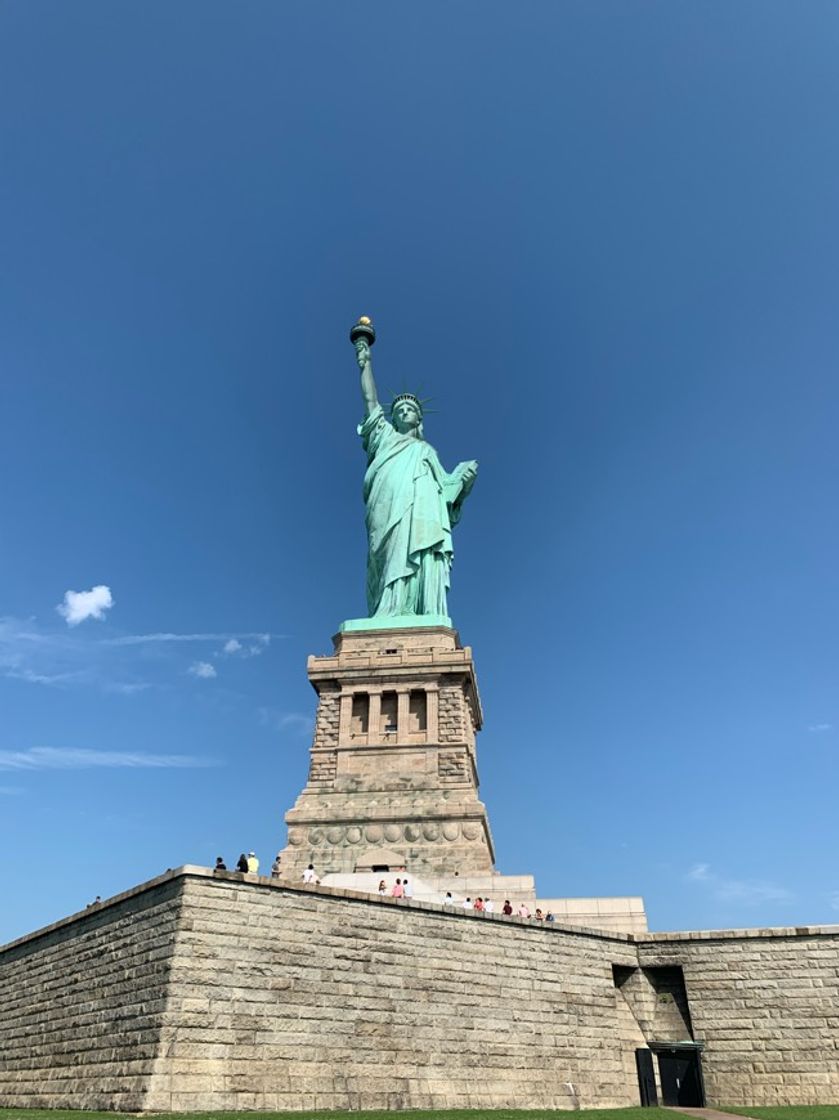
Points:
point(288, 998)
point(766, 1005)
point(206, 992)
point(82, 1004)
point(267, 996)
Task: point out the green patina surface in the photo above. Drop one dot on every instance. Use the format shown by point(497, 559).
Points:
point(411, 503)
point(394, 622)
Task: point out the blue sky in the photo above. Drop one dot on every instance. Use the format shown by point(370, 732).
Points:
point(604, 237)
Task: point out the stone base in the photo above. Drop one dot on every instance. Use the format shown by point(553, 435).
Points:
point(393, 780)
point(623, 915)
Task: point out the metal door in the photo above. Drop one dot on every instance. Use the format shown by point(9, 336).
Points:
point(681, 1078)
point(646, 1078)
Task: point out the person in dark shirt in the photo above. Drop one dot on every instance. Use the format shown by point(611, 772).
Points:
point(507, 907)
point(242, 865)
point(220, 864)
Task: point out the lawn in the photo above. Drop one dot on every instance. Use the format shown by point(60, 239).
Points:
point(789, 1112)
point(798, 1112)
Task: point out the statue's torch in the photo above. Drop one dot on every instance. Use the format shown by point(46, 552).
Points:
point(363, 330)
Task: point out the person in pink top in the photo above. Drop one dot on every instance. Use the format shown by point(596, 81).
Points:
point(523, 911)
point(398, 890)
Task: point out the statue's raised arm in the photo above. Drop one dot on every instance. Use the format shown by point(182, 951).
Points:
point(363, 337)
point(411, 502)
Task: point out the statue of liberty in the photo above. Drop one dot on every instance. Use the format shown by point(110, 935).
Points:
point(411, 502)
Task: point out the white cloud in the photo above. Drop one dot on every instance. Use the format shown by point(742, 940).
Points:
point(164, 636)
point(71, 758)
point(747, 891)
point(24, 674)
point(235, 648)
point(202, 669)
point(81, 605)
point(819, 727)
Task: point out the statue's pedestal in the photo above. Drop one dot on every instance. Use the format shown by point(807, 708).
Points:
point(393, 780)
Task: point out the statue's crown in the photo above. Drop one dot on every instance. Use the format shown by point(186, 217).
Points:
point(406, 397)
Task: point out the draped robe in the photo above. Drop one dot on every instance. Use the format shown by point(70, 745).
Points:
point(411, 504)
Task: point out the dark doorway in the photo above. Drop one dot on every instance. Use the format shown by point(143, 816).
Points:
point(681, 1077)
point(646, 1078)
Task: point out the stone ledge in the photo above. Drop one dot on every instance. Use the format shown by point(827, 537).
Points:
point(457, 913)
point(734, 934)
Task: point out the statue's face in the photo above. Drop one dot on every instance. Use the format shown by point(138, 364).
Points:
point(406, 417)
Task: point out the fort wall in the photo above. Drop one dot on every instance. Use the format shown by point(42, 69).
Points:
point(204, 992)
point(82, 1003)
point(765, 1002)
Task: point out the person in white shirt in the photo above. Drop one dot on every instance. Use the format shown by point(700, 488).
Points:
point(467, 904)
point(309, 875)
point(408, 889)
point(489, 906)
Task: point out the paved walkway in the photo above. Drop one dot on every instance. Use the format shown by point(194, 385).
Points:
point(704, 1113)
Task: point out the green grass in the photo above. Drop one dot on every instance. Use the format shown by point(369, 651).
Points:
point(789, 1112)
point(436, 1114)
point(792, 1112)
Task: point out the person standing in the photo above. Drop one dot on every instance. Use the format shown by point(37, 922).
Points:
point(382, 887)
point(220, 864)
point(524, 911)
point(408, 888)
point(253, 864)
point(507, 908)
point(275, 868)
point(398, 890)
point(242, 863)
point(489, 906)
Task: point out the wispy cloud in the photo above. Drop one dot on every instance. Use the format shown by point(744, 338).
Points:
point(165, 636)
point(78, 606)
point(10, 791)
point(257, 644)
point(747, 891)
point(126, 665)
point(126, 688)
point(202, 669)
point(285, 721)
point(25, 674)
point(72, 758)
point(818, 728)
